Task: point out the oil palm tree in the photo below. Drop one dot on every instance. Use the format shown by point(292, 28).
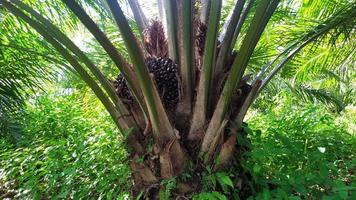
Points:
point(183, 91)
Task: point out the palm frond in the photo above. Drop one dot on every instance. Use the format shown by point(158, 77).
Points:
point(345, 16)
point(26, 63)
point(111, 50)
point(76, 65)
point(10, 126)
point(323, 96)
point(76, 50)
point(23, 69)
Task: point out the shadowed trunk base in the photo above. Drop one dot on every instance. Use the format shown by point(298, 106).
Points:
point(149, 184)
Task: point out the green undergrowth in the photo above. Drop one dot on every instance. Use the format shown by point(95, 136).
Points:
point(69, 149)
point(302, 152)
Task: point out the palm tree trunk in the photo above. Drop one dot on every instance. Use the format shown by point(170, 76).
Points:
point(150, 177)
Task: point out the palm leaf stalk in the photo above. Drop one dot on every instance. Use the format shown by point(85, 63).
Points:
point(259, 21)
point(204, 11)
point(125, 120)
point(227, 38)
point(161, 11)
point(62, 38)
point(193, 113)
point(163, 131)
point(186, 57)
point(241, 21)
point(154, 105)
point(200, 111)
point(170, 10)
point(109, 89)
point(140, 17)
point(111, 50)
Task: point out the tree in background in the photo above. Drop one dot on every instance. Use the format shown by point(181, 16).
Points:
point(183, 91)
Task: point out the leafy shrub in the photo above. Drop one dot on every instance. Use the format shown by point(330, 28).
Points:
point(69, 149)
point(302, 153)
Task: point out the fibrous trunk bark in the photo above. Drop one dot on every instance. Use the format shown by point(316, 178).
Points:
point(152, 167)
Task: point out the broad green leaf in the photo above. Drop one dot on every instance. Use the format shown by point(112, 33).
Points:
point(224, 179)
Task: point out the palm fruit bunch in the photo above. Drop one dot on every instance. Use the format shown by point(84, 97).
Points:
point(163, 69)
point(165, 73)
point(122, 89)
